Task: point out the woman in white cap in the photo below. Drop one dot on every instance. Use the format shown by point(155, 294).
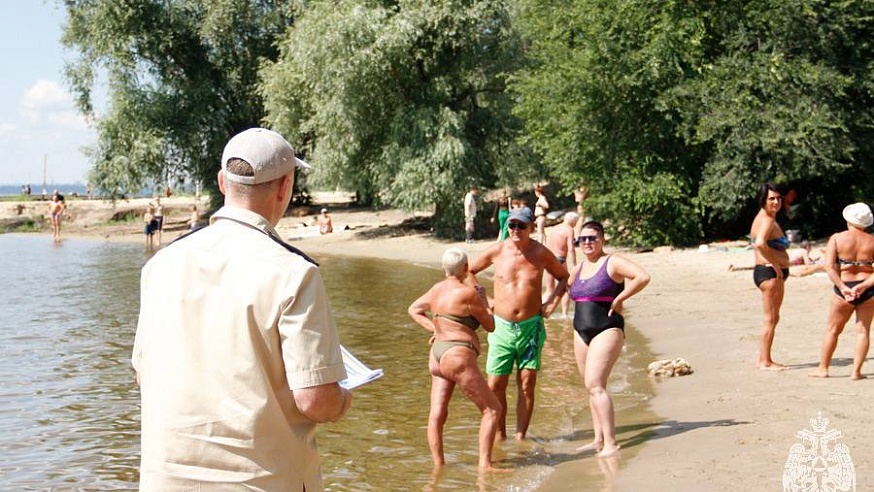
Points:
point(849, 261)
point(771, 270)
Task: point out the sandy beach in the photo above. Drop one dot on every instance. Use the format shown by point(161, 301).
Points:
point(727, 427)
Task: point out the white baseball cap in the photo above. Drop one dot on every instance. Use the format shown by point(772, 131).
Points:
point(269, 154)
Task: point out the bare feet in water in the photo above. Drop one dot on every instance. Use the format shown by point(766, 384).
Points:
point(609, 451)
point(592, 446)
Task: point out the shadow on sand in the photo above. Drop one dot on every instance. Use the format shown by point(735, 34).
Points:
point(629, 436)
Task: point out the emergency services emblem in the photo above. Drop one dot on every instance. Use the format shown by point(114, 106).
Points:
point(819, 463)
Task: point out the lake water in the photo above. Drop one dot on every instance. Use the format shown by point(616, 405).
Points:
point(69, 407)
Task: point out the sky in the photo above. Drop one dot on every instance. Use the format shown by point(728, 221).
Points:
point(38, 121)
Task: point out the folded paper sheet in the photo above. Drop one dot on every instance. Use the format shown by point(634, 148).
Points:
point(356, 372)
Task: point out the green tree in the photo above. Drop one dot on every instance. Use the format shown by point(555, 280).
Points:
point(783, 95)
point(591, 100)
point(404, 101)
point(694, 104)
point(182, 78)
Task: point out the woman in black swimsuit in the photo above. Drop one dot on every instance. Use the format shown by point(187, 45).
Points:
point(599, 286)
point(849, 262)
point(771, 270)
point(459, 306)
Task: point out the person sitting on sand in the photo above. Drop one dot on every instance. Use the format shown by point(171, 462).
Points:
point(326, 225)
point(599, 286)
point(802, 264)
point(458, 306)
point(849, 260)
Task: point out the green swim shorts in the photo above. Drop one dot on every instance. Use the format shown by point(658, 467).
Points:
point(518, 343)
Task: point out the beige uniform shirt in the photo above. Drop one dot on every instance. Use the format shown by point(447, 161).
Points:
point(230, 323)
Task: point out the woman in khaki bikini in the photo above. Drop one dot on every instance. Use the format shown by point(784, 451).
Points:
point(458, 306)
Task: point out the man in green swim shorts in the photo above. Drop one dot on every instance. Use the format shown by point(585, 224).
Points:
point(519, 263)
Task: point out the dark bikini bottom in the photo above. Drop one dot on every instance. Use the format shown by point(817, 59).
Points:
point(439, 347)
point(590, 319)
point(766, 272)
point(868, 294)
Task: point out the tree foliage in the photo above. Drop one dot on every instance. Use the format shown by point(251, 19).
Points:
point(182, 78)
point(694, 104)
point(404, 102)
point(671, 112)
point(783, 94)
point(591, 105)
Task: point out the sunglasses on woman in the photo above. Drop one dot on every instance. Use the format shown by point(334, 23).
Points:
point(587, 239)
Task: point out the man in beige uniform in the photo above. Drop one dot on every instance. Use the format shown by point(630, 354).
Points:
point(236, 351)
point(519, 333)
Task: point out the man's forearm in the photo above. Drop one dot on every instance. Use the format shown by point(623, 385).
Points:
point(325, 403)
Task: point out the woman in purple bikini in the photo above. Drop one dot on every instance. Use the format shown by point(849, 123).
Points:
point(599, 286)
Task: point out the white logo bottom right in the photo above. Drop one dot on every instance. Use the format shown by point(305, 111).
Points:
point(819, 463)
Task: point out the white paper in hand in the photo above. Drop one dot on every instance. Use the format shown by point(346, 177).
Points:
point(356, 372)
